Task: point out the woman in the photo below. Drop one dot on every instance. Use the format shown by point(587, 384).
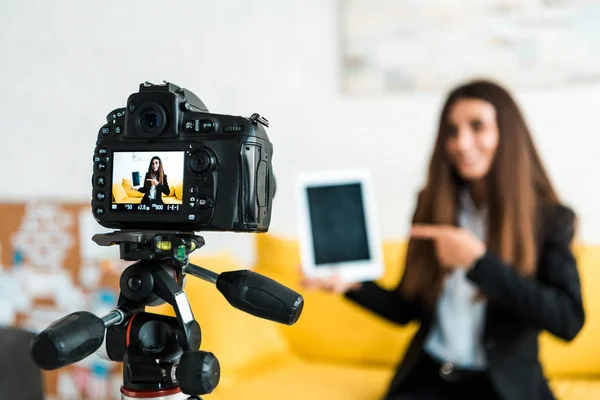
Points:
point(155, 183)
point(488, 265)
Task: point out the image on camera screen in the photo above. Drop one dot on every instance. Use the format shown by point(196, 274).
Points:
point(147, 181)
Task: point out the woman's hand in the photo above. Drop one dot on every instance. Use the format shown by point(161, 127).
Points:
point(454, 247)
point(333, 284)
point(154, 182)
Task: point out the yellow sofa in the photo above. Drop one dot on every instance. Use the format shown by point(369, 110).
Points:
point(122, 192)
point(337, 350)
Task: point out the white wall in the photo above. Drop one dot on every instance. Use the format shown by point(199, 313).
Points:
point(66, 64)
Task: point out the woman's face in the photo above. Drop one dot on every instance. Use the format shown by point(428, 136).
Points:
point(155, 165)
point(473, 139)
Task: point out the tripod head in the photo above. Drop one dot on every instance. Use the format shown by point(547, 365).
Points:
point(160, 354)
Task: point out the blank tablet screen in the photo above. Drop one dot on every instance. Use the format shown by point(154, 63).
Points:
point(338, 225)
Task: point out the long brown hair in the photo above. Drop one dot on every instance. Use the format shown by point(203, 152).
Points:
point(160, 172)
point(517, 186)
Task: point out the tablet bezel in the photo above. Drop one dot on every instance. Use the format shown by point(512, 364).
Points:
point(350, 271)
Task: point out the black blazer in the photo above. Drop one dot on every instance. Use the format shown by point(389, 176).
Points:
point(160, 189)
point(518, 309)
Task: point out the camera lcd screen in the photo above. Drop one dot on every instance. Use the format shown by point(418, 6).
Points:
point(337, 218)
point(147, 181)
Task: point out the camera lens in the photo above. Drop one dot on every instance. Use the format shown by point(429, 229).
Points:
point(149, 120)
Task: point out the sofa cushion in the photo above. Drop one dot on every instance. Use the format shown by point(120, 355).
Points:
point(281, 256)
point(294, 379)
point(129, 190)
point(581, 357)
point(119, 192)
point(173, 187)
point(332, 328)
point(179, 190)
point(170, 200)
point(576, 389)
point(237, 339)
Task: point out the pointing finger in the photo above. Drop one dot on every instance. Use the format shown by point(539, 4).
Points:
point(427, 231)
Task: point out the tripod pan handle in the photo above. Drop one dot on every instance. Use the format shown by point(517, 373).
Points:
point(260, 296)
point(68, 340)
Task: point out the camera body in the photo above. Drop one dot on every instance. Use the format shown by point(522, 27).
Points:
point(190, 170)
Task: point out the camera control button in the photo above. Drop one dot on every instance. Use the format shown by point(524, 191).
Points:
point(193, 190)
point(233, 128)
point(102, 166)
point(99, 211)
point(102, 151)
point(201, 162)
point(105, 130)
point(204, 202)
point(101, 181)
point(118, 130)
point(100, 196)
point(204, 125)
point(192, 217)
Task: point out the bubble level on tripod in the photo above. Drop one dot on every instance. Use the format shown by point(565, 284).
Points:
point(163, 245)
point(181, 253)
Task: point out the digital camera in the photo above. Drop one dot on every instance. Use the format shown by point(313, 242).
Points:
point(165, 162)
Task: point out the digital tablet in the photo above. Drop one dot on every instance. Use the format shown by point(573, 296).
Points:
point(338, 227)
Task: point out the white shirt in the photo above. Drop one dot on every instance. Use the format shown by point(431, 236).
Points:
point(152, 194)
point(456, 335)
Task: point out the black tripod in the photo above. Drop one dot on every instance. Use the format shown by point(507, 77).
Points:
point(160, 354)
